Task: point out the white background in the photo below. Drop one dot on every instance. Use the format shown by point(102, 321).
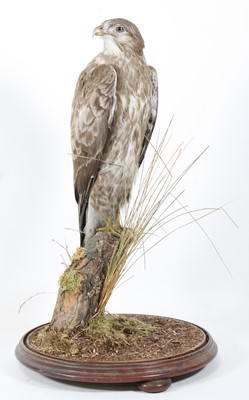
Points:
point(201, 52)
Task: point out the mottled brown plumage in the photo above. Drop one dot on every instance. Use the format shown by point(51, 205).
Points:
point(113, 116)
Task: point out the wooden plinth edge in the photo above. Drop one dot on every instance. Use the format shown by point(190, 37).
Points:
point(150, 375)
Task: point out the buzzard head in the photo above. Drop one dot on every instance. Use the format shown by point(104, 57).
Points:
point(120, 35)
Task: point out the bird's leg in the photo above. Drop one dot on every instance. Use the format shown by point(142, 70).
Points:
point(93, 221)
point(124, 234)
point(113, 226)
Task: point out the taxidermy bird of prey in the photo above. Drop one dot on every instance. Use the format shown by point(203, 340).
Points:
point(113, 115)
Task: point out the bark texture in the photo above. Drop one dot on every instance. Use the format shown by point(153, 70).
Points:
point(82, 282)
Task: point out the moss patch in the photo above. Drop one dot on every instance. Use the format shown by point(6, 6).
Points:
point(78, 255)
point(114, 330)
point(109, 331)
point(71, 280)
point(57, 343)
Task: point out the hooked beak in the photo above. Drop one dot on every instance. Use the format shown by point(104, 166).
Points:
point(98, 31)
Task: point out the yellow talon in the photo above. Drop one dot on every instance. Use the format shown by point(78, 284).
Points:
point(112, 228)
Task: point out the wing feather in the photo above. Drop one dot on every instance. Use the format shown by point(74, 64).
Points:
point(92, 112)
point(153, 115)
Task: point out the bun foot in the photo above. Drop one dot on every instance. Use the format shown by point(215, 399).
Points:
point(156, 386)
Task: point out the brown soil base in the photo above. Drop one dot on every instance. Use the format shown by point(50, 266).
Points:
point(149, 338)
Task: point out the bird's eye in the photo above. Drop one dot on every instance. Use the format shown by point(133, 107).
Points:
point(120, 29)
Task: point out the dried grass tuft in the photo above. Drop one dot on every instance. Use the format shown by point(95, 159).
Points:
point(153, 207)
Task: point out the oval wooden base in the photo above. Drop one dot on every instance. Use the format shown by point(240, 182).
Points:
point(150, 375)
